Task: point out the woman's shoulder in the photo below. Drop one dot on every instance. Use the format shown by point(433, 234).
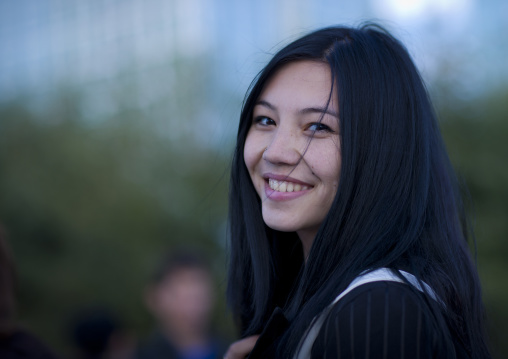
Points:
point(382, 295)
point(383, 319)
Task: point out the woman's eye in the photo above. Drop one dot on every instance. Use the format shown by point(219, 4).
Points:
point(264, 121)
point(319, 127)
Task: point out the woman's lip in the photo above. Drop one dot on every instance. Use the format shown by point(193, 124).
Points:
point(282, 196)
point(267, 176)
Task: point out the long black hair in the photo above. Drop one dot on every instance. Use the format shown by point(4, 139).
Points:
point(397, 205)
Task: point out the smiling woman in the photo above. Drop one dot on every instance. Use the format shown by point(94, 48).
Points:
point(348, 237)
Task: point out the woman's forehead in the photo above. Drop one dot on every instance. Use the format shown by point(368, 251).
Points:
point(299, 84)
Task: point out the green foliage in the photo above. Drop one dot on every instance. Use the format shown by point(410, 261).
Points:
point(91, 206)
point(90, 210)
point(476, 134)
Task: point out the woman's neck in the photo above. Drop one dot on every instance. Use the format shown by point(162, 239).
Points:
point(307, 238)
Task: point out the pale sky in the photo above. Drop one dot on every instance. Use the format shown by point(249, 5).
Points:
point(44, 43)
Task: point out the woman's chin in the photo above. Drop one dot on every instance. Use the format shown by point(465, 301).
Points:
point(280, 226)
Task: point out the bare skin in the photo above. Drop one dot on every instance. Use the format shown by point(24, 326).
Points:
point(241, 348)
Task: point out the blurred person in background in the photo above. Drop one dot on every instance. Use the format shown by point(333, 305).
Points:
point(15, 342)
point(98, 334)
point(181, 298)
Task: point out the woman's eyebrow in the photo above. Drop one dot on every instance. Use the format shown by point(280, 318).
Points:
point(266, 104)
point(324, 110)
point(304, 111)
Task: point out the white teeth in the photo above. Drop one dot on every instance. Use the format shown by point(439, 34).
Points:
point(285, 186)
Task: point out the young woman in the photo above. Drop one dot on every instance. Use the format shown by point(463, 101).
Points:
point(348, 236)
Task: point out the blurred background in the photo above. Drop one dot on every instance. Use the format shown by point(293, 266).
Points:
point(117, 124)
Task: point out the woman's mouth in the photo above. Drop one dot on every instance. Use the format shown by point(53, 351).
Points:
point(285, 186)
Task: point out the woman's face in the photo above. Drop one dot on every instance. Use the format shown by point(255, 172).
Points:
point(292, 157)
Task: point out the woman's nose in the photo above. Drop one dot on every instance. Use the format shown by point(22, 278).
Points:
point(283, 148)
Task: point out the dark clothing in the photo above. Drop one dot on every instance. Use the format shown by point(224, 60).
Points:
point(375, 320)
point(159, 347)
point(22, 345)
point(383, 320)
point(156, 347)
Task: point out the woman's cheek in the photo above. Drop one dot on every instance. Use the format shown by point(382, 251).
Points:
point(251, 152)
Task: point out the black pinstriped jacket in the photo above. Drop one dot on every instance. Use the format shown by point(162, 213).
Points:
point(375, 320)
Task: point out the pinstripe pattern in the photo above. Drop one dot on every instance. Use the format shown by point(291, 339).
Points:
point(377, 320)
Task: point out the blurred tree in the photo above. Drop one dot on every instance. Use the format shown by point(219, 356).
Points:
point(91, 205)
point(89, 210)
point(476, 134)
